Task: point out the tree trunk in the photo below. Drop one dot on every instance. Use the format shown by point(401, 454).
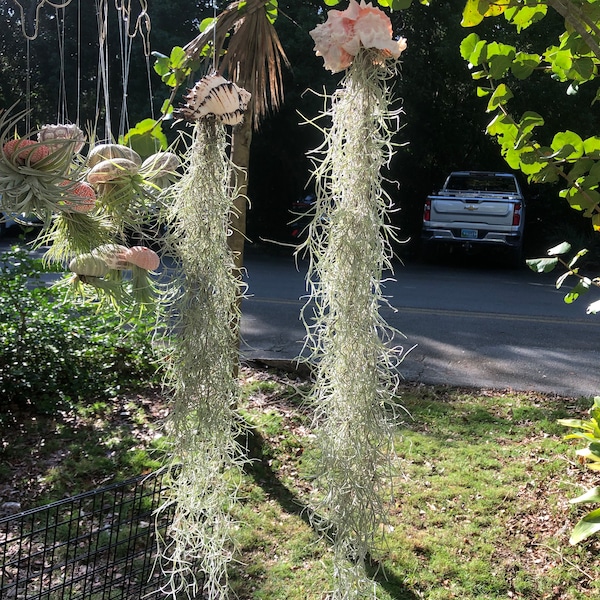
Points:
point(240, 156)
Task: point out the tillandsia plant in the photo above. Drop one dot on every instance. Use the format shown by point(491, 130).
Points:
point(205, 459)
point(349, 248)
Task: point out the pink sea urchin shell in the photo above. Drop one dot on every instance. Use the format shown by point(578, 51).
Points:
point(143, 257)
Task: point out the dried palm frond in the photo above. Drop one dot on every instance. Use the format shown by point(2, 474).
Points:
point(252, 56)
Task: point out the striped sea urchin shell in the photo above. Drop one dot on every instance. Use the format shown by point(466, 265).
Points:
point(62, 132)
point(114, 255)
point(216, 97)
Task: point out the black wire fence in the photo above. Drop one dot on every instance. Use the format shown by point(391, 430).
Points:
point(100, 545)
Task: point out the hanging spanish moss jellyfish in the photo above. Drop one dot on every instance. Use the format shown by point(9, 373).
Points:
point(205, 457)
point(349, 342)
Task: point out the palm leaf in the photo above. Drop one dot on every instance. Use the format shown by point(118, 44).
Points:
point(252, 56)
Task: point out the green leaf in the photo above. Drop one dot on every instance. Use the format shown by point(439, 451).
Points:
point(562, 279)
point(561, 248)
point(146, 137)
point(542, 265)
point(581, 288)
point(500, 58)
point(523, 17)
point(467, 46)
point(577, 257)
point(591, 146)
point(577, 423)
point(592, 495)
point(583, 69)
point(272, 10)
point(584, 200)
point(167, 107)
point(206, 23)
point(548, 174)
point(567, 144)
point(524, 64)
point(162, 65)
point(501, 95)
point(589, 525)
point(529, 121)
point(472, 15)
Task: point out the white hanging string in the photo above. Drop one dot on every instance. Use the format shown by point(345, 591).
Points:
point(62, 115)
point(103, 73)
point(214, 35)
point(28, 86)
point(125, 54)
point(77, 117)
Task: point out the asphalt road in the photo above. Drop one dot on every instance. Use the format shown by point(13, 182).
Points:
point(466, 325)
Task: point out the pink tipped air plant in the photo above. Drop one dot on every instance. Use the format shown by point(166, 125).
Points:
point(339, 39)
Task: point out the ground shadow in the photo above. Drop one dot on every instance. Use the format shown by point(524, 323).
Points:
point(257, 467)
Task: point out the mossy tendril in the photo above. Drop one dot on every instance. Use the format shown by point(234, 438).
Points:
point(205, 454)
point(349, 248)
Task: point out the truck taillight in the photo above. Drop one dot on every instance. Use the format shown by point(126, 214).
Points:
point(427, 211)
point(516, 214)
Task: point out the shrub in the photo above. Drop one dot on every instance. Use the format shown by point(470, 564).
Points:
point(55, 350)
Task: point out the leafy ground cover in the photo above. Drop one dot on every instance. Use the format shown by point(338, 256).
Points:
point(480, 506)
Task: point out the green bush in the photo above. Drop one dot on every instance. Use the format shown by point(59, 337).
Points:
point(54, 351)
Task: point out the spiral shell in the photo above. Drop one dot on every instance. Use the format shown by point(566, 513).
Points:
point(111, 170)
point(62, 132)
point(103, 152)
point(214, 96)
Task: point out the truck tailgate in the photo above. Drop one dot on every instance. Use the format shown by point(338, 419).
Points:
point(452, 210)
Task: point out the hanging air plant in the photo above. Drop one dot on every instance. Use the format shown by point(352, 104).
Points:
point(33, 169)
point(349, 248)
point(205, 457)
point(101, 269)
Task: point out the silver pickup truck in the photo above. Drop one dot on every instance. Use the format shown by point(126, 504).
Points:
point(475, 209)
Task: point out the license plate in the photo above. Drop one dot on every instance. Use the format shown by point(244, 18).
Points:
point(470, 234)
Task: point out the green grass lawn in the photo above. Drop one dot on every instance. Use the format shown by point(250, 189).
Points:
point(479, 509)
point(480, 505)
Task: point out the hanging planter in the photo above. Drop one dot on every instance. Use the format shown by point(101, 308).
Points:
point(349, 249)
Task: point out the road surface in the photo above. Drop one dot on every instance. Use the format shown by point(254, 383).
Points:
point(466, 325)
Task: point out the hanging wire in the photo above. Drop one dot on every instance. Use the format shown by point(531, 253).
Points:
point(103, 82)
point(129, 28)
point(62, 112)
point(214, 35)
point(28, 87)
point(125, 47)
point(77, 117)
point(30, 13)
